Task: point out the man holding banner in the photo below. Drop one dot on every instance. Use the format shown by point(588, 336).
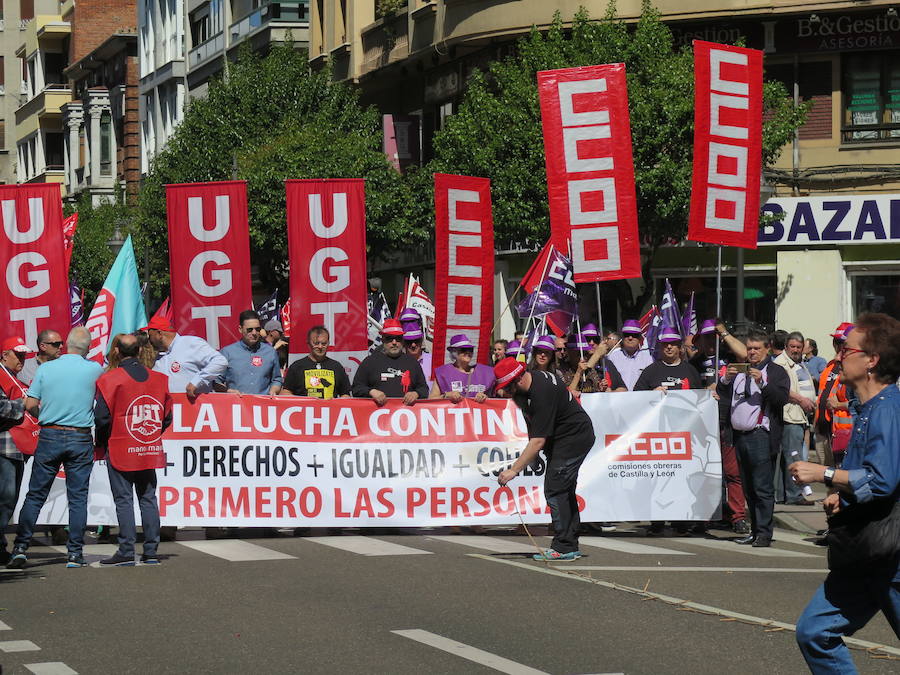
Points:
point(190, 363)
point(390, 373)
point(558, 425)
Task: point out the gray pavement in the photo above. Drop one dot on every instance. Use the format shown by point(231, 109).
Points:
point(430, 601)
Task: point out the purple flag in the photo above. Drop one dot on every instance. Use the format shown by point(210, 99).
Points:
point(556, 293)
point(689, 321)
point(668, 308)
point(77, 317)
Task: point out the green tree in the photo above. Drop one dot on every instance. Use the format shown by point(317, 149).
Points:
point(269, 120)
point(497, 131)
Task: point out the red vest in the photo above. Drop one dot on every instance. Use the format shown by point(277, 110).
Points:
point(24, 435)
point(138, 410)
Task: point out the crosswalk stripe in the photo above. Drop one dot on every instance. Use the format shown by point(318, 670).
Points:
point(622, 546)
point(493, 544)
point(464, 651)
point(50, 668)
point(4, 626)
point(657, 568)
point(18, 646)
point(730, 546)
point(235, 550)
point(366, 546)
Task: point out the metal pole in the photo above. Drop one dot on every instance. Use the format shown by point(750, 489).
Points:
point(718, 303)
point(599, 310)
point(739, 282)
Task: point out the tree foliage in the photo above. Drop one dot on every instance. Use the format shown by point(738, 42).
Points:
point(497, 131)
point(269, 120)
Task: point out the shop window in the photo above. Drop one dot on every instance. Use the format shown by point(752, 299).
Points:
point(760, 292)
point(877, 293)
point(814, 80)
point(54, 148)
point(106, 144)
point(871, 86)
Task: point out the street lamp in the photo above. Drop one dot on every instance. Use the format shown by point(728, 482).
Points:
point(116, 241)
point(766, 192)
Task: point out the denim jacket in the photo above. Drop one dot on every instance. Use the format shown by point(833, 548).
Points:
point(873, 455)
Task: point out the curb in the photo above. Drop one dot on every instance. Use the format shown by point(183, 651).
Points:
point(790, 522)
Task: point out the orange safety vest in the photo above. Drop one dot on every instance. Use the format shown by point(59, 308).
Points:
point(839, 419)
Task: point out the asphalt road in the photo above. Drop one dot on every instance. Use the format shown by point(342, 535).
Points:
point(420, 602)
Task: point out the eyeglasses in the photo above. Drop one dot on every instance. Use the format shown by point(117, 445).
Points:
point(56, 344)
point(252, 329)
point(845, 351)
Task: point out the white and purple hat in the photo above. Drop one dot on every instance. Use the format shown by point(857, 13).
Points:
point(590, 331)
point(669, 334)
point(409, 314)
point(631, 327)
point(544, 343)
point(460, 342)
point(514, 348)
point(708, 327)
point(580, 342)
point(410, 334)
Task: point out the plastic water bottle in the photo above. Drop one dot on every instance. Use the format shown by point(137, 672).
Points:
point(805, 489)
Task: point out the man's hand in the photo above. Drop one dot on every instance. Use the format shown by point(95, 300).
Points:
point(603, 385)
point(410, 398)
point(730, 373)
point(808, 405)
point(756, 374)
point(378, 396)
point(833, 404)
point(191, 391)
point(807, 472)
point(480, 397)
point(453, 396)
point(832, 504)
point(506, 476)
point(661, 388)
point(233, 391)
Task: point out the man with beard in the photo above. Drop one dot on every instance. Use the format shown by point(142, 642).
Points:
point(317, 375)
point(559, 426)
point(390, 373)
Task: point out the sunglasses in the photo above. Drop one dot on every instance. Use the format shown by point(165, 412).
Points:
point(56, 344)
point(391, 338)
point(252, 329)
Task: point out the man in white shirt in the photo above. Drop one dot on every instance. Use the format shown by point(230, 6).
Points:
point(190, 362)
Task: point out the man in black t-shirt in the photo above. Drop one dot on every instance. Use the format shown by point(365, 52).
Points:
point(390, 373)
point(559, 426)
point(316, 375)
point(669, 371)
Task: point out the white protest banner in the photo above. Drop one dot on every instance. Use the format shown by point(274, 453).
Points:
point(256, 461)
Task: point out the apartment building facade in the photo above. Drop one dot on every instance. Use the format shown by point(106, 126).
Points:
point(842, 171)
point(184, 44)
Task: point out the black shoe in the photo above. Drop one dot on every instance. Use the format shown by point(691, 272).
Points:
point(75, 560)
point(149, 559)
point(802, 502)
point(761, 542)
point(17, 559)
point(656, 529)
point(744, 541)
point(118, 560)
point(741, 527)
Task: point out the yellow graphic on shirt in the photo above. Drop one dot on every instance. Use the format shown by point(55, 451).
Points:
point(319, 382)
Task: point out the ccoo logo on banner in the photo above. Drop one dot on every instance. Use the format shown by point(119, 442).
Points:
point(258, 461)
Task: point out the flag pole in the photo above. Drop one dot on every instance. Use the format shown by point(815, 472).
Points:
point(718, 302)
point(505, 310)
point(543, 276)
point(599, 310)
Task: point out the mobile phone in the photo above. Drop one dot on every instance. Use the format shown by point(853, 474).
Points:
point(741, 367)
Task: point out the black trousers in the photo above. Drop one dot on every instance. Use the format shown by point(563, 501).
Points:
point(559, 491)
point(757, 465)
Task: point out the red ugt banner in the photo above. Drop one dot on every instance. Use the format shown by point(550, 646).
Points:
point(34, 291)
point(326, 222)
point(209, 258)
point(727, 145)
point(464, 263)
point(590, 170)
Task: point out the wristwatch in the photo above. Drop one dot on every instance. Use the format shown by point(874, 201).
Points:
point(828, 478)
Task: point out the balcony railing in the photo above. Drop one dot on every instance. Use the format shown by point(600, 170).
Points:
point(870, 133)
point(385, 41)
point(277, 10)
point(205, 51)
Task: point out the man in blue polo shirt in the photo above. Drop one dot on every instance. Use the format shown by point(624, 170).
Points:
point(253, 366)
point(62, 398)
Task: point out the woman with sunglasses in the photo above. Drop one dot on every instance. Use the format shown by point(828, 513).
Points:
point(862, 506)
point(543, 355)
point(463, 378)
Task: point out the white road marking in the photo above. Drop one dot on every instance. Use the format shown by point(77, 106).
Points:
point(622, 546)
point(718, 611)
point(493, 544)
point(366, 546)
point(50, 668)
point(731, 547)
point(18, 646)
point(236, 550)
point(650, 568)
point(4, 626)
point(468, 652)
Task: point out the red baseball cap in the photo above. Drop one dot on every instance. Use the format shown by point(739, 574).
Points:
point(507, 370)
point(392, 327)
point(15, 344)
point(840, 333)
point(159, 323)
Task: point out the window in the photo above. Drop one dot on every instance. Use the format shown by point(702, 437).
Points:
point(871, 86)
point(106, 144)
point(877, 293)
point(26, 9)
point(814, 85)
point(55, 147)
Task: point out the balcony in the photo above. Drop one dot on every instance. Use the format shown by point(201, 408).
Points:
point(42, 31)
point(384, 42)
point(202, 53)
point(283, 11)
point(45, 106)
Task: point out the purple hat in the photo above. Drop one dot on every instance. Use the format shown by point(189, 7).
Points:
point(409, 314)
point(708, 327)
point(414, 334)
point(545, 343)
point(580, 342)
point(460, 342)
point(631, 327)
point(514, 348)
point(590, 330)
point(668, 334)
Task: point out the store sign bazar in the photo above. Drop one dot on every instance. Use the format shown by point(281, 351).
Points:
point(835, 219)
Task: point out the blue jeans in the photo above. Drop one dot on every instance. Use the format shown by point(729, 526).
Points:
point(75, 451)
point(757, 471)
point(786, 490)
point(842, 605)
point(123, 485)
point(10, 482)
